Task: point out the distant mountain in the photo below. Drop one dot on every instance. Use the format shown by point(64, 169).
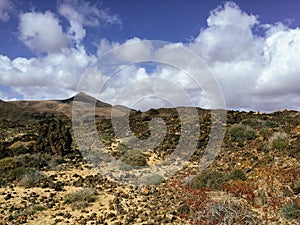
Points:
point(16, 108)
point(82, 97)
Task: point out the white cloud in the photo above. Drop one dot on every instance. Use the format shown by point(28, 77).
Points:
point(132, 86)
point(104, 46)
point(135, 50)
point(5, 7)
point(231, 15)
point(282, 73)
point(46, 77)
point(132, 50)
point(228, 36)
point(81, 14)
point(41, 32)
point(255, 72)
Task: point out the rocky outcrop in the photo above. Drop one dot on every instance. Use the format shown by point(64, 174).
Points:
point(54, 137)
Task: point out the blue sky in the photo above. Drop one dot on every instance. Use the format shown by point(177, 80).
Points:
point(250, 46)
point(168, 20)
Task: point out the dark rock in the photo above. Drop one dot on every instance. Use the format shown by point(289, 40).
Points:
point(54, 137)
point(58, 186)
point(111, 215)
point(8, 196)
point(68, 215)
point(57, 220)
point(295, 186)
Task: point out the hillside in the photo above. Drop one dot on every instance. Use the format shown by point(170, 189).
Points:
point(254, 178)
point(64, 106)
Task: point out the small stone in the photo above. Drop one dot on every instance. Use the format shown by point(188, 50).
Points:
point(57, 220)
point(111, 215)
point(68, 215)
point(8, 196)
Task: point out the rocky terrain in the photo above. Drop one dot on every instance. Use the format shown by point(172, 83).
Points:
point(44, 178)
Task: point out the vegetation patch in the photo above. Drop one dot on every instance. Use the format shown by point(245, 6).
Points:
point(239, 188)
point(28, 177)
point(271, 124)
point(278, 141)
point(240, 133)
point(238, 175)
point(30, 211)
point(134, 157)
point(251, 122)
point(8, 163)
point(290, 212)
point(226, 212)
point(80, 199)
point(209, 179)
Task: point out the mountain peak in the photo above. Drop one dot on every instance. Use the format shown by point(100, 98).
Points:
point(83, 97)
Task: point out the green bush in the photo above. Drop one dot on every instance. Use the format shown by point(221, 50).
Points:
point(237, 133)
point(250, 122)
point(209, 179)
point(279, 141)
point(30, 211)
point(240, 133)
point(280, 144)
point(238, 175)
point(29, 177)
point(34, 160)
point(8, 163)
point(134, 157)
point(290, 212)
point(271, 124)
point(81, 198)
point(266, 133)
point(250, 133)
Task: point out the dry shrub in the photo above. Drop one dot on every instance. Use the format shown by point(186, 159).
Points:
point(240, 188)
point(226, 213)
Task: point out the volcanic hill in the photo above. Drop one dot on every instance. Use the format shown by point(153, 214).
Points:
point(45, 178)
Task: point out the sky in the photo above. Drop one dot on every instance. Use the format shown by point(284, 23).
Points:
point(251, 49)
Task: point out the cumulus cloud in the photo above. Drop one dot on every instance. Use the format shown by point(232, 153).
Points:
point(5, 7)
point(231, 15)
point(41, 32)
point(281, 75)
point(135, 87)
point(228, 36)
point(53, 76)
point(133, 50)
point(81, 14)
point(254, 71)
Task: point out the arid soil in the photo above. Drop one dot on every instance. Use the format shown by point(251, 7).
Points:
point(45, 178)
